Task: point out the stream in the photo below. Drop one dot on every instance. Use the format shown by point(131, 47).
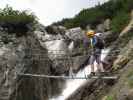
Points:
point(72, 85)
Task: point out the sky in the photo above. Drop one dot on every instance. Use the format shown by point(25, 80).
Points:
point(49, 11)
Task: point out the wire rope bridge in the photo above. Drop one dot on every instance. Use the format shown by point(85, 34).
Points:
point(61, 54)
point(68, 77)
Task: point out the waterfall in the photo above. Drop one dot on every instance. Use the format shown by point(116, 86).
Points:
point(71, 46)
point(73, 84)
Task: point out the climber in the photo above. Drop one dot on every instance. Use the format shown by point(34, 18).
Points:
point(96, 44)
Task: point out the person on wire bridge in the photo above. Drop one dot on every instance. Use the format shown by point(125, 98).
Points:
point(97, 44)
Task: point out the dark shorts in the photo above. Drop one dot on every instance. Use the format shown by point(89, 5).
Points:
point(96, 56)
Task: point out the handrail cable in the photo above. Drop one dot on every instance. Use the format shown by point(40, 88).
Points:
point(65, 77)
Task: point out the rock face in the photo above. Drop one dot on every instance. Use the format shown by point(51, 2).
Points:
point(105, 26)
point(61, 46)
point(120, 60)
point(53, 29)
point(37, 63)
point(100, 28)
point(75, 33)
point(23, 56)
point(57, 50)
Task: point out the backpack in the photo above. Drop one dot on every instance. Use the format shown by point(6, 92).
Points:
point(98, 42)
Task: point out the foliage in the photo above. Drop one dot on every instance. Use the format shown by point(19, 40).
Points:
point(94, 16)
point(110, 98)
point(119, 21)
point(50, 30)
point(15, 21)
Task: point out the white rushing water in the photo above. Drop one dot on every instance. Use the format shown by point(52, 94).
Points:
point(73, 84)
point(71, 46)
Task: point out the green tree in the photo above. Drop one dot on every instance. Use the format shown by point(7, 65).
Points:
point(119, 21)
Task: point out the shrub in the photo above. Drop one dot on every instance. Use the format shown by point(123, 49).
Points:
point(15, 21)
point(119, 21)
point(96, 15)
point(110, 98)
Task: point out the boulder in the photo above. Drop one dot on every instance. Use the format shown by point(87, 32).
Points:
point(88, 27)
point(53, 29)
point(100, 28)
point(107, 24)
point(125, 56)
point(75, 33)
point(40, 27)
